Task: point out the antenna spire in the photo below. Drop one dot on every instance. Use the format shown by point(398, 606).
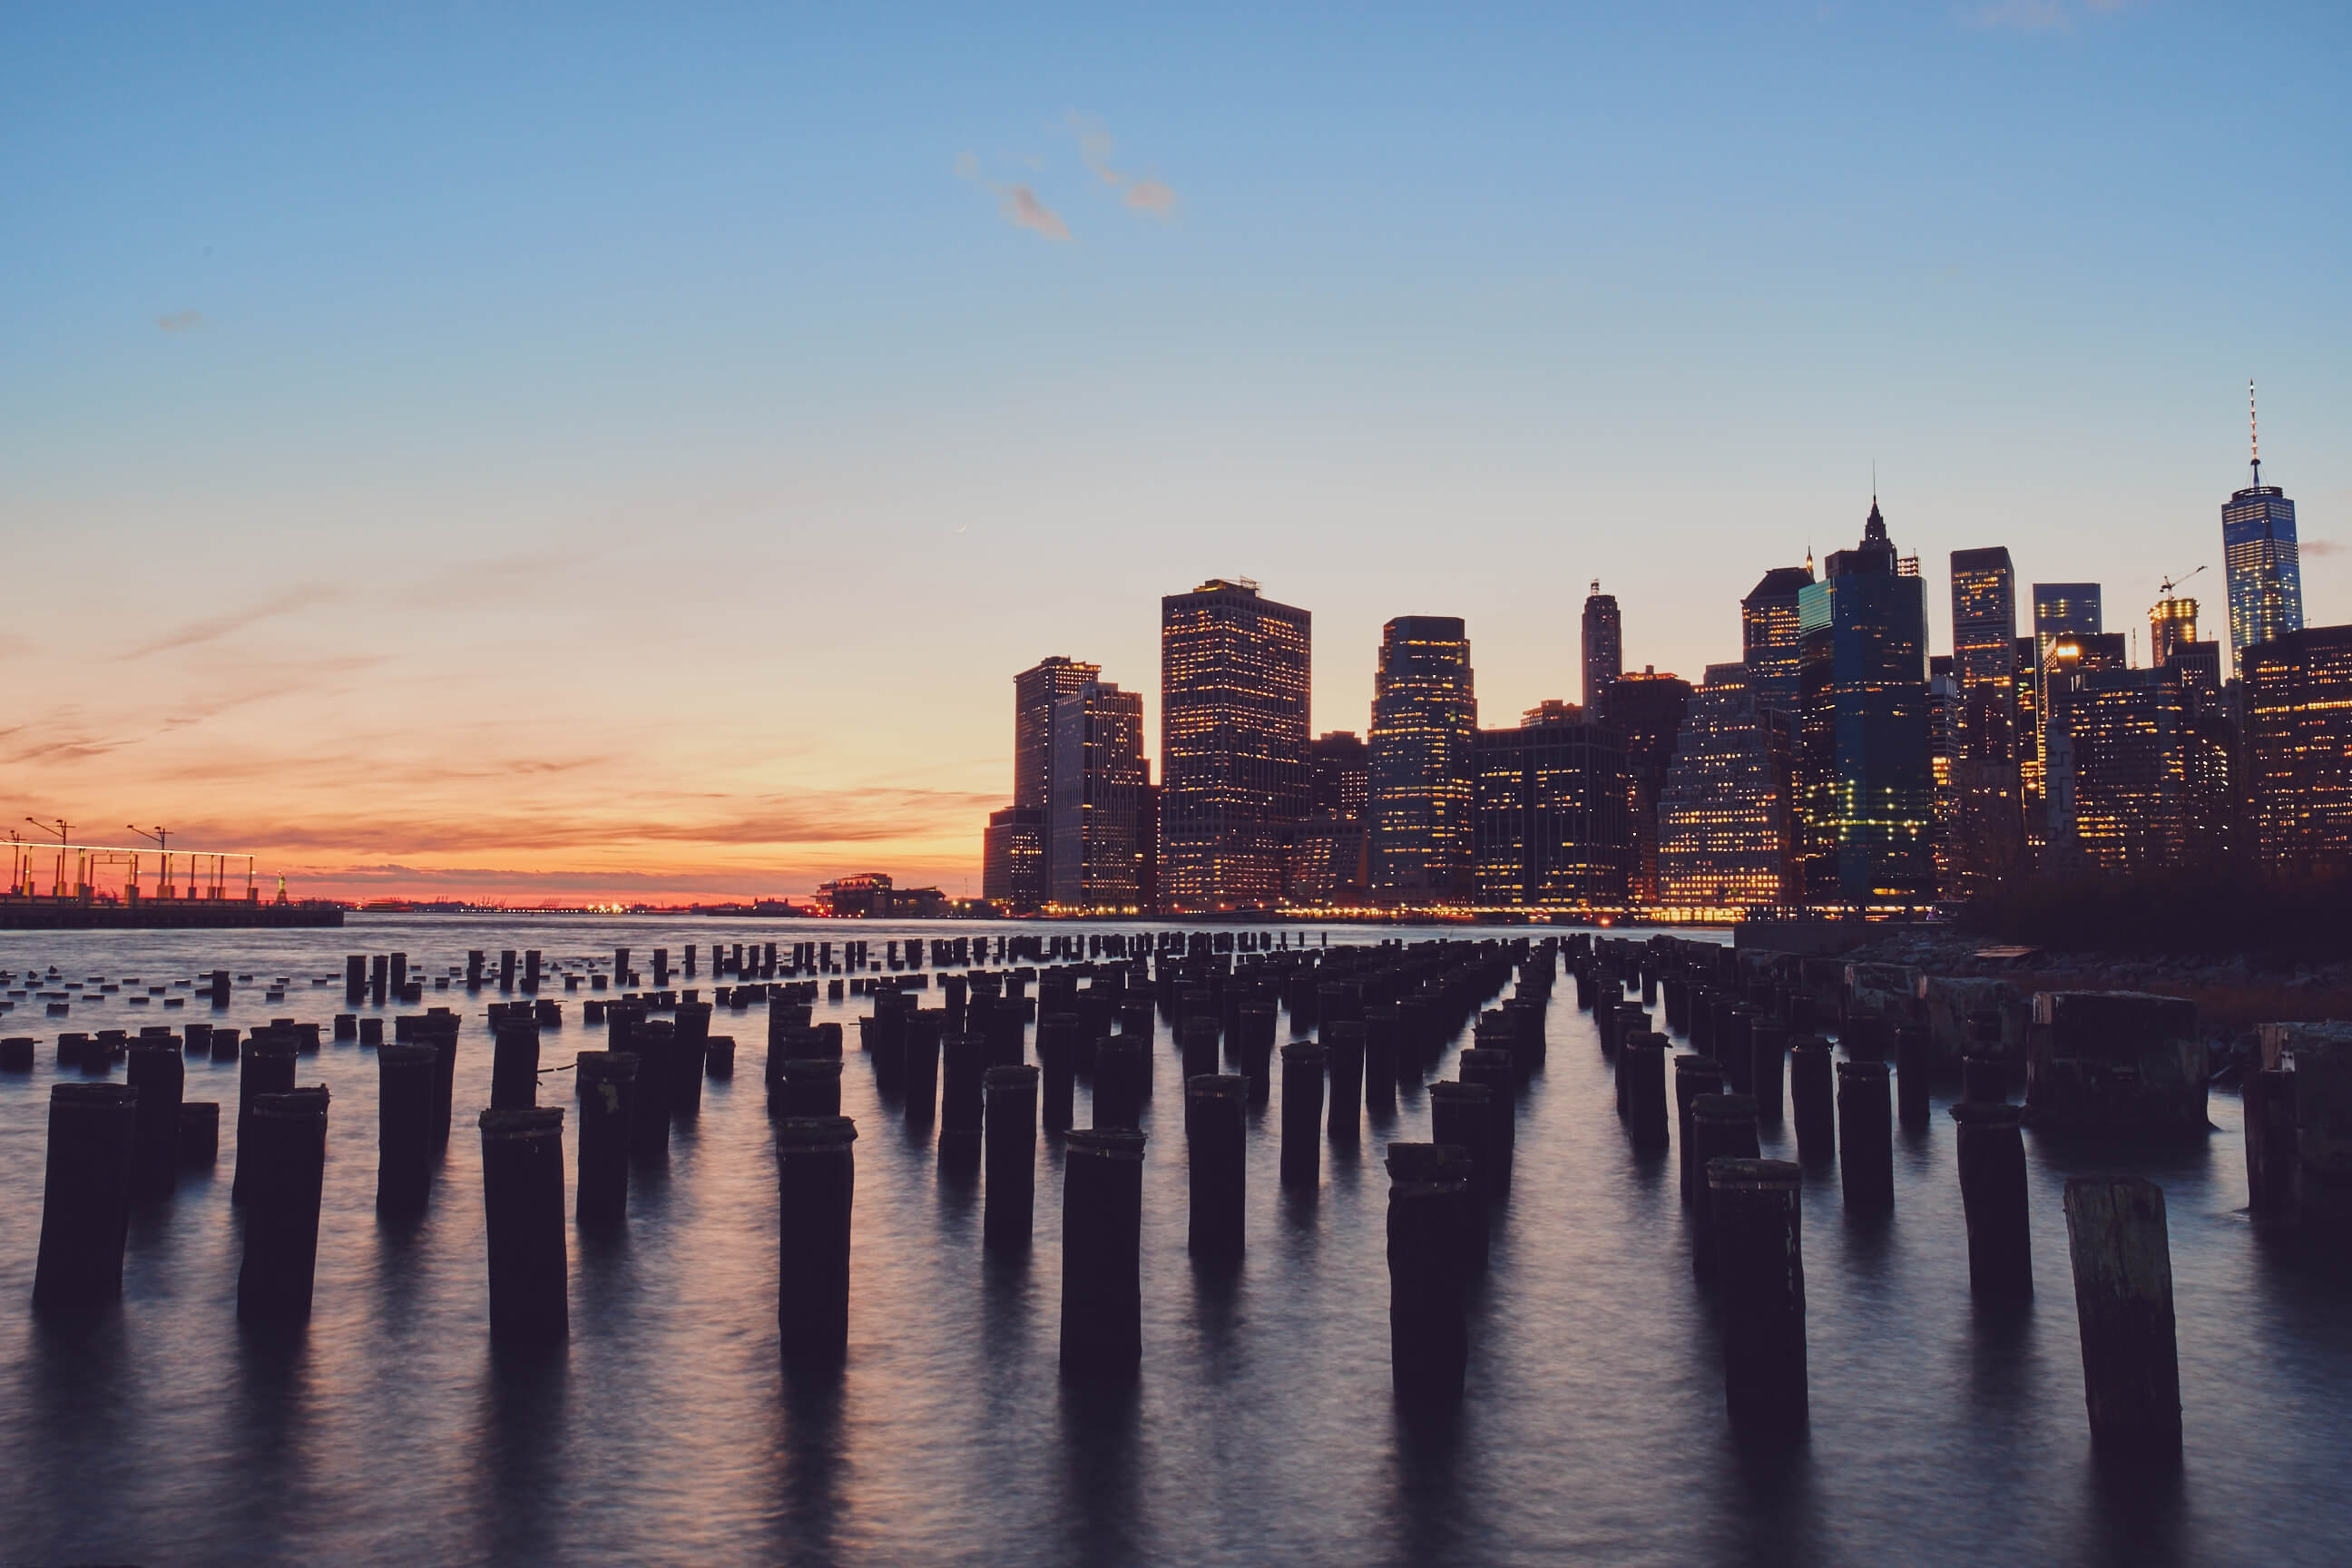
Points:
point(2253, 431)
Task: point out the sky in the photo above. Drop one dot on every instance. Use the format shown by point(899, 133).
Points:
point(586, 452)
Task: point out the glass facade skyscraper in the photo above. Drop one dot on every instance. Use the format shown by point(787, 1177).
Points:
point(1985, 782)
point(1866, 784)
point(1234, 667)
point(1771, 637)
point(1727, 829)
point(2265, 566)
point(1424, 724)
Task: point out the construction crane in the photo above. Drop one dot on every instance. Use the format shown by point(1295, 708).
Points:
point(2169, 583)
point(65, 831)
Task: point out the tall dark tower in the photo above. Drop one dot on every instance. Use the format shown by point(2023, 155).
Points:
point(1233, 676)
point(1604, 644)
point(2260, 553)
point(1424, 725)
point(1867, 784)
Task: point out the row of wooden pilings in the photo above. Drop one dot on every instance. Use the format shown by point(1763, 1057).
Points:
point(1747, 1035)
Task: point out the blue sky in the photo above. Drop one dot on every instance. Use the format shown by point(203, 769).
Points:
point(558, 421)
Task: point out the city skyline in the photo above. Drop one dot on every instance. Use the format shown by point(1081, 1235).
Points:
point(478, 494)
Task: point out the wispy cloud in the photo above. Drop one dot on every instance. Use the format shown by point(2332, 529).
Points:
point(180, 320)
point(2322, 548)
point(212, 629)
point(1021, 204)
point(1024, 210)
point(1146, 193)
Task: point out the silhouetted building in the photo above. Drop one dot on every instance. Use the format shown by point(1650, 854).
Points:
point(1425, 723)
point(2263, 559)
point(2298, 700)
point(1771, 635)
point(1035, 692)
point(1865, 782)
point(1327, 853)
point(1234, 668)
point(1012, 859)
point(1093, 819)
point(1604, 644)
point(1647, 709)
point(1552, 825)
point(1726, 818)
point(1944, 718)
point(2144, 773)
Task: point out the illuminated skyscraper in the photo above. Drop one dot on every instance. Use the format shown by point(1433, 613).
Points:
point(1327, 853)
point(1987, 829)
point(1865, 782)
point(1771, 636)
point(1035, 692)
point(1647, 709)
point(1552, 825)
point(1604, 644)
point(1424, 723)
point(2149, 780)
point(2060, 608)
point(2171, 624)
point(1094, 816)
point(2298, 696)
point(1234, 670)
point(2260, 553)
point(1726, 828)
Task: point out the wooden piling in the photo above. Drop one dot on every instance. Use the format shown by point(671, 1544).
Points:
point(1761, 1279)
point(1216, 1122)
point(2122, 1303)
point(1102, 1244)
point(404, 1106)
point(1010, 1096)
point(1992, 1194)
point(85, 1197)
point(1865, 1137)
point(284, 1145)
point(522, 1204)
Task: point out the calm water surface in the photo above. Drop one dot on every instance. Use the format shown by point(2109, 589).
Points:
point(1263, 1429)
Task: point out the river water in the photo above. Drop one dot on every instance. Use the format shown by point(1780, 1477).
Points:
point(1262, 1429)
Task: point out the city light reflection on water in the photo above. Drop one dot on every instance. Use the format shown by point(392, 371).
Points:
point(1262, 1430)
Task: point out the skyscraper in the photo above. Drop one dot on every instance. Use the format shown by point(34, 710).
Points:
point(1093, 816)
point(1425, 723)
point(1604, 644)
point(2171, 624)
point(1647, 709)
point(1035, 692)
point(1233, 683)
point(1726, 837)
point(2140, 762)
point(1984, 626)
point(2298, 698)
point(1988, 828)
point(1327, 853)
point(1867, 787)
point(1944, 717)
point(1770, 636)
point(2063, 607)
point(1552, 825)
point(2260, 553)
